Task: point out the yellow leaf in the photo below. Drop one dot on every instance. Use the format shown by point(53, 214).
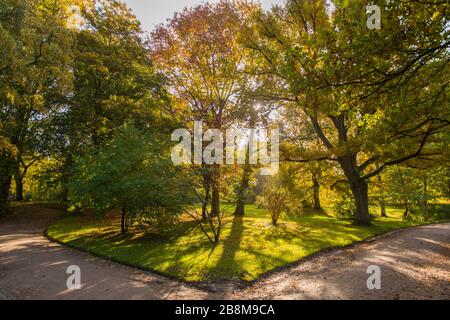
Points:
point(436, 15)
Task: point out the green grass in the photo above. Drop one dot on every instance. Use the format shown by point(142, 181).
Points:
point(251, 246)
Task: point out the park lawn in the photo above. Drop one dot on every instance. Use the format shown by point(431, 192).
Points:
point(250, 246)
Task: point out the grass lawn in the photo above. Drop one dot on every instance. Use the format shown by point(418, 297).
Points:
point(251, 246)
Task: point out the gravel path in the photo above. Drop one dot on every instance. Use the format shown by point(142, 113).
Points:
point(414, 264)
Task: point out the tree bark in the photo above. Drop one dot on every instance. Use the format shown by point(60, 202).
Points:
point(242, 192)
point(245, 182)
point(240, 207)
point(316, 189)
point(359, 188)
point(215, 191)
point(360, 191)
point(215, 200)
point(383, 208)
point(425, 197)
point(123, 223)
point(405, 197)
point(349, 165)
point(207, 187)
point(205, 206)
point(18, 178)
point(406, 213)
point(4, 194)
point(382, 198)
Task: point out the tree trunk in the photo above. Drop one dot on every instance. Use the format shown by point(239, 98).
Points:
point(316, 188)
point(64, 193)
point(242, 192)
point(217, 234)
point(425, 197)
point(215, 200)
point(360, 191)
point(382, 198)
point(123, 223)
point(383, 207)
point(240, 207)
point(205, 207)
point(215, 191)
point(4, 195)
point(405, 197)
point(18, 178)
point(359, 188)
point(406, 213)
point(207, 187)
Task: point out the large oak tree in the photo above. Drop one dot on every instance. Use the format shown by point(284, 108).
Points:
point(375, 98)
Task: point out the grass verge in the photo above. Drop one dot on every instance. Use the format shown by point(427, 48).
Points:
point(251, 246)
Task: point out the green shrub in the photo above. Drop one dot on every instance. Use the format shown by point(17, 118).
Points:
point(157, 219)
point(344, 206)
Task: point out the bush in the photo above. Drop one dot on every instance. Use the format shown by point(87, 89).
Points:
point(275, 201)
point(440, 211)
point(158, 219)
point(344, 207)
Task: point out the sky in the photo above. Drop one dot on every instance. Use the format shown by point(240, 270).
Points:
point(153, 12)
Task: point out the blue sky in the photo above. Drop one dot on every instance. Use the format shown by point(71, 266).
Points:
point(152, 12)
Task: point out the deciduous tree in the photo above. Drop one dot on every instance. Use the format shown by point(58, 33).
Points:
point(375, 98)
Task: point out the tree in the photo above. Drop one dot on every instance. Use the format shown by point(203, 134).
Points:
point(114, 82)
point(354, 84)
point(247, 171)
point(210, 224)
point(37, 144)
point(133, 172)
point(34, 68)
point(199, 53)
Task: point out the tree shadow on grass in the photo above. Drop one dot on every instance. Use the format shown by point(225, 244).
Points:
point(231, 246)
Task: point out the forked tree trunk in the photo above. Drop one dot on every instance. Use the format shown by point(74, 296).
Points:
point(18, 178)
point(349, 165)
point(359, 188)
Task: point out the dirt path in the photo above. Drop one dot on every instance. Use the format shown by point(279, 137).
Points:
point(414, 264)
